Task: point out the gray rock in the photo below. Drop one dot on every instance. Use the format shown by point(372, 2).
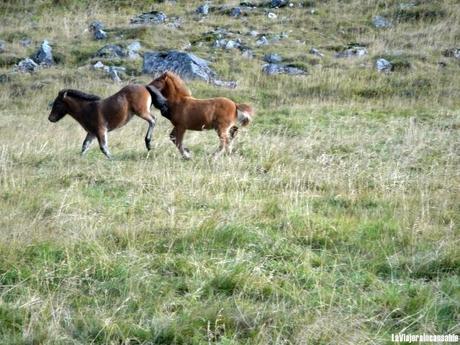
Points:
point(247, 54)
point(383, 65)
point(452, 52)
point(316, 52)
point(153, 17)
point(263, 41)
point(273, 69)
point(2, 46)
point(25, 42)
point(96, 25)
point(27, 65)
point(278, 3)
point(236, 12)
point(188, 66)
point(111, 51)
point(273, 58)
point(253, 33)
point(133, 50)
point(352, 52)
point(203, 9)
point(100, 35)
point(381, 22)
point(231, 44)
point(44, 55)
point(114, 75)
point(272, 15)
point(98, 65)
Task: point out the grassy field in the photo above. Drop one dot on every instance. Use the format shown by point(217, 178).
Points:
point(335, 221)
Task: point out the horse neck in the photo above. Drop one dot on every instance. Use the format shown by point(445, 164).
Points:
point(78, 109)
point(174, 95)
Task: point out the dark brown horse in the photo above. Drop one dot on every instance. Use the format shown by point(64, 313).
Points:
point(98, 116)
point(186, 112)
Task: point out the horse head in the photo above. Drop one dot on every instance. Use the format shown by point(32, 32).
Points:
point(171, 85)
point(60, 107)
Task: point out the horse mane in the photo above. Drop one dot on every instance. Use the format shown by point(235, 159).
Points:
point(81, 95)
point(178, 84)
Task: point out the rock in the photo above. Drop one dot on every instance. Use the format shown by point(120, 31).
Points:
point(273, 58)
point(96, 25)
point(100, 35)
point(98, 65)
point(114, 75)
point(253, 33)
point(235, 12)
point(271, 15)
point(352, 52)
point(111, 51)
point(247, 54)
point(133, 50)
point(2, 46)
point(273, 69)
point(316, 52)
point(228, 84)
point(188, 66)
point(25, 42)
point(452, 52)
point(278, 3)
point(381, 22)
point(263, 41)
point(383, 65)
point(44, 55)
point(231, 44)
point(152, 17)
point(203, 9)
point(227, 44)
point(27, 65)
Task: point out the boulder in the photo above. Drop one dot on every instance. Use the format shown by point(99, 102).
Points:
point(44, 55)
point(236, 12)
point(278, 3)
point(452, 52)
point(352, 52)
point(27, 65)
point(263, 41)
point(383, 65)
point(273, 58)
point(272, 69)
point(111, 51)
point(316, 52)
point(381, 22)
point(133, 50)
point(203, 9)
point(152, 17)
point(188, 66)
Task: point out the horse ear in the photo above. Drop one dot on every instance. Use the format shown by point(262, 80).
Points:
point(64, 95)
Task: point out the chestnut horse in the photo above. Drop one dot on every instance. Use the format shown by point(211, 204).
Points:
point(98, 116)
point(186, 112)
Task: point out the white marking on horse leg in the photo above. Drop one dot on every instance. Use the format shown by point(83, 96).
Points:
point(149, 102)
point(148, 136)
point(103, 144)
point(87, 142)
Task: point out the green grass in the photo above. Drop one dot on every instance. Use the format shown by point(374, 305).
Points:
point(335, 221)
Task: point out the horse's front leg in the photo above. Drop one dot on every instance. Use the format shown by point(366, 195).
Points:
point(177, 136)
point(102, 138)
point(87, 142)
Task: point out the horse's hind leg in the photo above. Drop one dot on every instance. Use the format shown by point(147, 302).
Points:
point(223, 137)
point(102, 138)
point(89, 138)
point(148, 136)
point(177, 136)
point(233, 132)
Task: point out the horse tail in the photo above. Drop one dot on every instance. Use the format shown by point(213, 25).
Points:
point(159, 101)
point(244, 113)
